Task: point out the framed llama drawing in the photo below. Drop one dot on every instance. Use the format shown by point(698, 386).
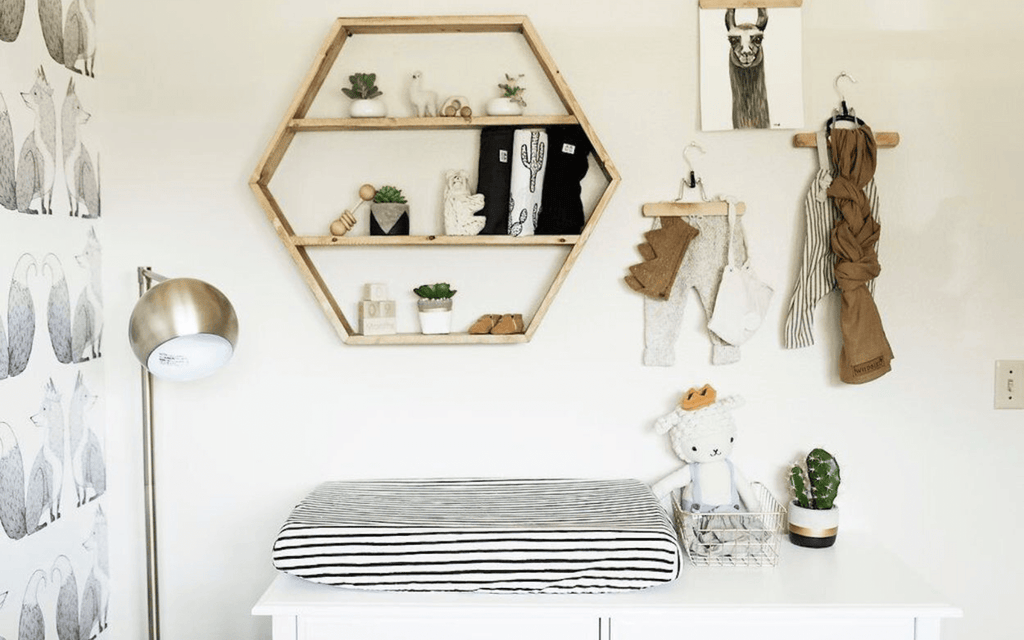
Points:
point(751, 69)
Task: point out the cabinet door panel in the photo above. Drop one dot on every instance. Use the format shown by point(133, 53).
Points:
point(446, 628)
point(774, 627)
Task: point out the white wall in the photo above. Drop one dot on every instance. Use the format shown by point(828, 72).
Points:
point(197, 89)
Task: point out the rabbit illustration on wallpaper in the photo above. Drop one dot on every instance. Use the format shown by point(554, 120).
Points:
point(70, 38)
point(96, 593)
point(16, 339)
point(73, 338)
point(80, 178)
point(87, 464)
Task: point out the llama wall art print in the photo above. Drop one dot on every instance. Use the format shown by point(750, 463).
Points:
point(751, 69)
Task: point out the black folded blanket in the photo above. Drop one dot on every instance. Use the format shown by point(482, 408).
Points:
point(494, 178)
point(561, 211)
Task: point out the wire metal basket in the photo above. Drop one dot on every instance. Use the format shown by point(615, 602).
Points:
point(748, 539)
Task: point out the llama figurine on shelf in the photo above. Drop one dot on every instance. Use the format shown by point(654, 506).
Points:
point(703, 431)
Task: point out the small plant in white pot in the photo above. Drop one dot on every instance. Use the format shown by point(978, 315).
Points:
point(364, 94)
point(813, 516)
point(511, 102)
point(435, 307)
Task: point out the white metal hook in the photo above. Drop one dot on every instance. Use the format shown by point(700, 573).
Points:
point(689, 161)
point(835, 83)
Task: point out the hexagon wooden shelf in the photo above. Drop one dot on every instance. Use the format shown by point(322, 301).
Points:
point(295, 121)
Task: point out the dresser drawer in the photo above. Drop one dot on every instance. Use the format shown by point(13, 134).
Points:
point(772, 626)
point(450, 628)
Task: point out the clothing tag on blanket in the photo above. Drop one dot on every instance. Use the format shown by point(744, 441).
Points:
point(569, 148)
point(503, 155)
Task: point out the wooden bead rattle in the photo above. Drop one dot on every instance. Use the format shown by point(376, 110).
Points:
point(347, 219)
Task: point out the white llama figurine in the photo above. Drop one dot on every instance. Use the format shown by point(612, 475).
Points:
point(423, 101)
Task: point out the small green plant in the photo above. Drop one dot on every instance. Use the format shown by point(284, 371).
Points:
point(816, 488)
point(363, 87)
point(512, 89)
point(388, 193)
point(437, 291)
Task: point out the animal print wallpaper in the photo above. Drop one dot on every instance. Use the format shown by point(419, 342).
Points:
point(54, 563)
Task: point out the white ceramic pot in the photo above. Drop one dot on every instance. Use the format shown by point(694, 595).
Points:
point(815, 528)
point(372, 108)
point(435, 316)
point(503, 107)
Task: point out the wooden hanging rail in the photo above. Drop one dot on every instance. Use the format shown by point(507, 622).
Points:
point(750, 4)
point(679, 209)
point(885, 139)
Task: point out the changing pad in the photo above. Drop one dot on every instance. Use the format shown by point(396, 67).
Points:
point(558, 536)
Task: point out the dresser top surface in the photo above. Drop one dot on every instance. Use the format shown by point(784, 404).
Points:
point(855, 577)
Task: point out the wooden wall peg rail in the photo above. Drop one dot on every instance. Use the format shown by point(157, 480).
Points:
point(885, 139)
point(678, 209)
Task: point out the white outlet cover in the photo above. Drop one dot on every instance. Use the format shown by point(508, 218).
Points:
point(1009, 384)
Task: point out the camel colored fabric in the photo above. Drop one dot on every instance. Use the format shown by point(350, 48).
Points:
point(866, 353)
point(663, 254)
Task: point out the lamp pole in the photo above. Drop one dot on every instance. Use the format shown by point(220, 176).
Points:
point(146, 279)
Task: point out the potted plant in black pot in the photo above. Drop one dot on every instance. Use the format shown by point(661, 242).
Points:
point(813, 515)
point(435, 307)
point(389, 213)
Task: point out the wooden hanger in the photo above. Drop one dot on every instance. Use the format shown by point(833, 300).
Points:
point(704, 207)
point(884, 139)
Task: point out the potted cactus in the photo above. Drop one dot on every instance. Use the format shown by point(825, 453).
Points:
point(813, 515)
point(435, 307)
point(389, 213)
point(364, 94)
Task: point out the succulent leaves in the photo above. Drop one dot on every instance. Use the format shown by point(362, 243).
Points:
point(389, 193)
point(437, 291)
point(363, 87)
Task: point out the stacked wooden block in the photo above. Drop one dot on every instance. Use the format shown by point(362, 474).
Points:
point(377, 312)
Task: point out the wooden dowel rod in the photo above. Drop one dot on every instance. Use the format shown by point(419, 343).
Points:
point(750, 4)
point(678, 209)
point(885, 139)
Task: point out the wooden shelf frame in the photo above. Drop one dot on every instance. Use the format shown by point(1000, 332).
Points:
point(296, 121)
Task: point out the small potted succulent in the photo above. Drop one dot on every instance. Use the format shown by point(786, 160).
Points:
point(389, 213)
point(435, 307)
point(511, 102)
point(813, 516)
point(364, 94)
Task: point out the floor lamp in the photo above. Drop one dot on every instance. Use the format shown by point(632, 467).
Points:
point(180, 329)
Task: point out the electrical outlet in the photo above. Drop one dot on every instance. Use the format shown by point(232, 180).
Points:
point(1009, 384)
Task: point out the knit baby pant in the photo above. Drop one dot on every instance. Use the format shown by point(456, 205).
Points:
point(701, 269)
point(817, 278)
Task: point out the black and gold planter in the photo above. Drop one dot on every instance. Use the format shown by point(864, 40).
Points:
point(813, 528)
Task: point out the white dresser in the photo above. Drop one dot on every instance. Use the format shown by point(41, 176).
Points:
point(855, 590)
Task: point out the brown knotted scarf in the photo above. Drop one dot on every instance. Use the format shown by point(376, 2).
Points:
point(866, 352)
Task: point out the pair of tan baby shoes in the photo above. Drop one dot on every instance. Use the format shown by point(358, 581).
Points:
point(497, 324)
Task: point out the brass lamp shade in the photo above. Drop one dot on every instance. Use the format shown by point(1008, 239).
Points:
point(183, 329)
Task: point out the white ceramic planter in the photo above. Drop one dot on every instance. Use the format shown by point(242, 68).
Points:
point(372, 108)
point(435, 316)
point(815, 528)
point(503, 107)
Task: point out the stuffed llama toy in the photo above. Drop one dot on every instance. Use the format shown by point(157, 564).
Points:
point(702, 432)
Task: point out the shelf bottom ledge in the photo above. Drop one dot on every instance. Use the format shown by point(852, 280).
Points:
point(449, 338)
